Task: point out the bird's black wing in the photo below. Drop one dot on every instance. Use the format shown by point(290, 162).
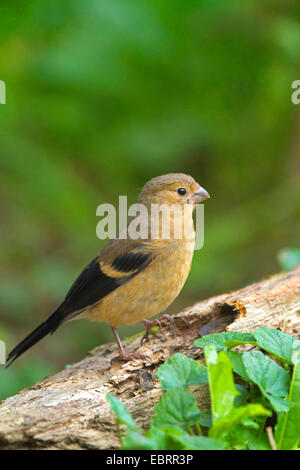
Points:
point(95, 282)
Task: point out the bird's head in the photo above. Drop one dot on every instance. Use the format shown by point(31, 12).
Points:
point(171, 189)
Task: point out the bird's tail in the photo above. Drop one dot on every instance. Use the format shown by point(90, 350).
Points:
point(48, 326)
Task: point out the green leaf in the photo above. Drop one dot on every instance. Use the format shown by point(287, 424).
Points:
point(272, 380)
point(221, 384)
point(278, 403)
point(176, 408)
point(122, 414)
point(153, 439)
point(168, 439)
point(287, 431)
point(134, 440)
point(225, 341)
point(180, 370)
point(240, 438)
point(241, 399)
point(289, 258)
point(237, 416)
point(189, 442)
point(277, 343)
point(238, 364)
point(205, 419)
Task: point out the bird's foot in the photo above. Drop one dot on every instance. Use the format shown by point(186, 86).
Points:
point(125, 356)
point(149, 324)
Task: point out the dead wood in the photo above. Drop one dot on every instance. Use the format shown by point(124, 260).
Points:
point(69, 410)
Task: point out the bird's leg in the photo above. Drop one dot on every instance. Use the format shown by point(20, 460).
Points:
point(123, 355)
point(149, 324)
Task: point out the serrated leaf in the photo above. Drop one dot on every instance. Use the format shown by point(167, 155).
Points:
point(287, 431)
point(119, 409)
point(272, 380)
point(176, 408)
point(225, 341)
point(221, 384)
point(180, 370)
point(237, 416)
point(277, 343)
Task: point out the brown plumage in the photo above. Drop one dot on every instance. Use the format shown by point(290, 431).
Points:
point(133, 279)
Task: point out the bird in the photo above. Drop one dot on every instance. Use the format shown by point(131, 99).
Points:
point(134, 278)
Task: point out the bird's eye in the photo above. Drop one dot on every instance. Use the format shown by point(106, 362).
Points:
point(181, 191)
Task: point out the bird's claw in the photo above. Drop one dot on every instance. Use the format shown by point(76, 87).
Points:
point(124, 356)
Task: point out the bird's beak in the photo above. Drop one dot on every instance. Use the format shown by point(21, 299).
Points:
point(200, 195)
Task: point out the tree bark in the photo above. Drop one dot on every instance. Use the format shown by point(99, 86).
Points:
point(69, 410)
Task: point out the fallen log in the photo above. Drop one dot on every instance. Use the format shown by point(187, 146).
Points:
point(69, 410)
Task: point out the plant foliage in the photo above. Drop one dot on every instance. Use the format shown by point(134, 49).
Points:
point(238, 413)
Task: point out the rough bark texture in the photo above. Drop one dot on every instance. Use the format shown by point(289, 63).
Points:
point(69, 410)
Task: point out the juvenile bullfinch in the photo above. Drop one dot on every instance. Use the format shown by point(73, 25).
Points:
point(134, 278)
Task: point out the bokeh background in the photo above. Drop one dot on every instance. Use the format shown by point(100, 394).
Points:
point(102, 96)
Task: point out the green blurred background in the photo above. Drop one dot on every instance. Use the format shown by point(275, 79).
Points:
point(102, 96)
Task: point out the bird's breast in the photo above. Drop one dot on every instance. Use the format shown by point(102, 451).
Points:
point(149, 292)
